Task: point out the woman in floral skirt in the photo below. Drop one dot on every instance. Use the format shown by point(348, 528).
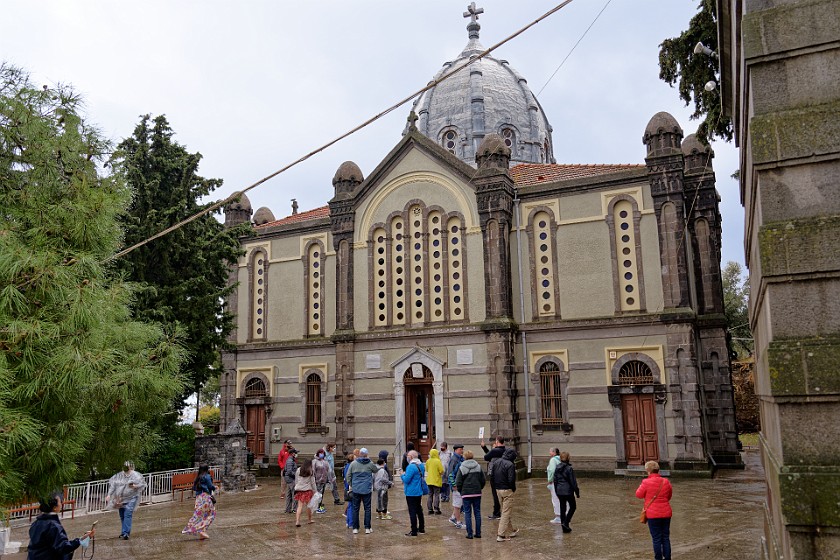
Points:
point(205, 506)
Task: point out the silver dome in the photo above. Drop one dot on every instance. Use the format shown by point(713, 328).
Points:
point(486, 97)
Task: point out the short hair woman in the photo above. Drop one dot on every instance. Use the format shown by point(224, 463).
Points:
point(47, 538)
point(656, 492)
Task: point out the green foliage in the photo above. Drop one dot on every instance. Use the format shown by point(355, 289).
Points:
point(210, 416)
point(185, 273)
point(679, 65)
point(736, 295)
point(79, 378)
point(175, 450)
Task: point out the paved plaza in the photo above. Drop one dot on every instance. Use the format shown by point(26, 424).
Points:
point(720, 518)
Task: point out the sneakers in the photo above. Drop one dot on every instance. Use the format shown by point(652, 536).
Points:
point(556, 521)
point(410, 534)
point(368, 531)
point(321, 509)
point(567, 529)
point(123, 536)
point(453, 521)
point(355, 531)
point(502, 539)
point(494, 517)
point(459, 525)
point(469, 536)
point(515, 532)
point(438, 512)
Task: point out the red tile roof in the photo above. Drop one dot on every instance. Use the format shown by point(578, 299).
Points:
point(322, 212)
point(536, 173)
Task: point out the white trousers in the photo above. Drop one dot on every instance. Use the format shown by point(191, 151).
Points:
point(554, 500)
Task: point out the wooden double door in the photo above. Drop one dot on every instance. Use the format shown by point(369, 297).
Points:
point(420, 417)
point(255, 430)
point(641, 441)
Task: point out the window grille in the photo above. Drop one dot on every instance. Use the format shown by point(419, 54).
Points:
point(313, 401)
point(635, 373)
point(255, 388)
point(551, 393)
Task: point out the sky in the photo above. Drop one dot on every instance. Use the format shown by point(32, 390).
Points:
point(254, 85)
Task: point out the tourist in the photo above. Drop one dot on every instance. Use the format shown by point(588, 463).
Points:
point(323, 476)
point(434, 479)
point(504, 477)
point(289, 478)
point(281, 462)
point(348, 496)
point(47, 538)
point(490, 457)
point(656, 492)
point(445, 455)
point(409, 446)
point(455, 463)
point(381, 483)
point(566, 488)
point(469, 481)
point(330, 457)
point(205, 504)
point(305, 487)
point(361, 485)
point(124, 490)
point(553, 462)
point(413, 488)
point(383, 455)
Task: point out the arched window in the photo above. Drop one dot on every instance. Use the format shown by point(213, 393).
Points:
point(551, 393)
point(313, 401)
point(259, 288)
point(545, 292)
point(255, 388)
point(314, 282)
point(624, 220)
point(635, 373)
point(449, 140)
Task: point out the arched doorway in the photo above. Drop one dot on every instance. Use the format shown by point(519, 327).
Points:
point(419, 408)
point(255, 416)
point(638, 411)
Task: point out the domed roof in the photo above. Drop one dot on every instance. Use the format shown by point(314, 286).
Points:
point(348, 171)
point(662, 121)
point(263, 216)
point(242, 204)
point(487, 96)
point(692, 145)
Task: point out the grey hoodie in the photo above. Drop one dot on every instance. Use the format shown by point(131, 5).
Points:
point(470, 478)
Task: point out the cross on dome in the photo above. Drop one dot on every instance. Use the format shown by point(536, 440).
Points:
point(472, 12)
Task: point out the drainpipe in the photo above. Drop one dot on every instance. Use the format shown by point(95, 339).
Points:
point(524, 338)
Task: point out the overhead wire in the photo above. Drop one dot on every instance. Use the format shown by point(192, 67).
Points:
point(403, 101)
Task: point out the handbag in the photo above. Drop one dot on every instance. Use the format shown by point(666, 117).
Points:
point(423, 486)
point(643, 515)
point(213, 499)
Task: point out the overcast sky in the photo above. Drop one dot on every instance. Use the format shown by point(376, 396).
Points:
point(254, 85)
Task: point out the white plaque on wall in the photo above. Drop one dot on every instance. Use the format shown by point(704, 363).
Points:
point(417, 370)
point(373, 361)
point(464, 356)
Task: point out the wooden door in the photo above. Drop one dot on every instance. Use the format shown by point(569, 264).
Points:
point(641, 442)
point(255, 428)
point(419, 418)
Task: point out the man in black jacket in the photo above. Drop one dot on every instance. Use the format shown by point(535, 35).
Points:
point(491, 456)
point(504, 477)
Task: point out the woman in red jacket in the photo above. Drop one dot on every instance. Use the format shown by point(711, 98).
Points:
point(656, 492)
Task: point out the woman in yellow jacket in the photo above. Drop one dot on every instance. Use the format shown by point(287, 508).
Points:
point(434, 478)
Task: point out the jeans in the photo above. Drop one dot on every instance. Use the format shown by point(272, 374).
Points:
point(472, 505)
point(335, 491)
point(382, 500)
point(660, 534)
point(359, 499)
point(506, 527)
point(127, 513)
point(291, 504)
point(497, 506)
point(566, 516)
point(433, 503)
point(444, 492)
point(415, 514)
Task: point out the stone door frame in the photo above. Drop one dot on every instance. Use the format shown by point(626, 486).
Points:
point(399, 367)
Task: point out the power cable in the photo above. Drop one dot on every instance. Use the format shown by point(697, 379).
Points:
point(433, 83)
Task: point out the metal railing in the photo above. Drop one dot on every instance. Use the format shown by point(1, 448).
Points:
point(90, 496)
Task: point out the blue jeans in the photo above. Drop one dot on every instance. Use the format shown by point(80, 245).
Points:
point(660, 534)
point(472, 505)
point(126, 513)
point(357, 500)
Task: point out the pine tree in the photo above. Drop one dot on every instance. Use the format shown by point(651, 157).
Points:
point(691, 72)
point(185, 273)
point(736, 295)
point(79, 377)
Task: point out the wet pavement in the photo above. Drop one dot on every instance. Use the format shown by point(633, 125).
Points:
point(719, 518)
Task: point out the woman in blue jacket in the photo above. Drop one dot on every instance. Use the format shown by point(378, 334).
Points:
point(47, 538)
point(413, 487)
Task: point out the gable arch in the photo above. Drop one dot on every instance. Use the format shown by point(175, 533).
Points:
point(635, 357)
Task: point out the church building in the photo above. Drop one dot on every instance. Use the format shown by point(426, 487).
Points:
point(470, 281)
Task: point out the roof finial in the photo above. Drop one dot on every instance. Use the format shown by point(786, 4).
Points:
point(294, 206)
point(473, 26)
point(412, 121)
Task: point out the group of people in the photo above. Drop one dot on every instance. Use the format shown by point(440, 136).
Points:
point(447, 476)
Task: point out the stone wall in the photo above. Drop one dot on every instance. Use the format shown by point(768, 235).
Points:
point(228, 450)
